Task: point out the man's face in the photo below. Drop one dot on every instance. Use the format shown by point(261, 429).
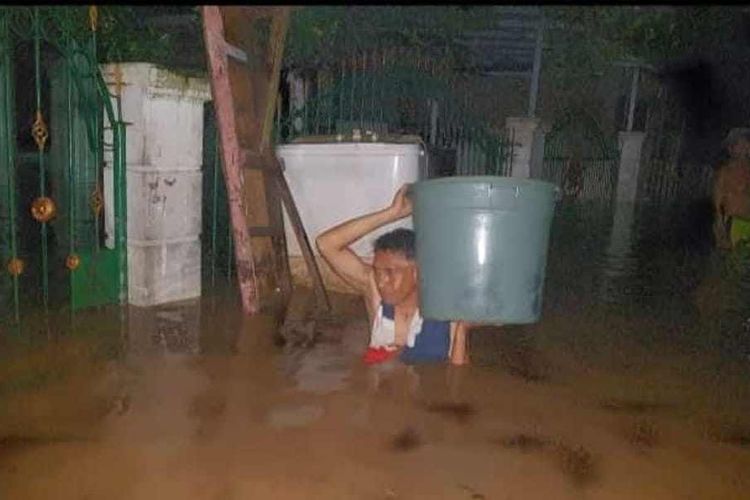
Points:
point(395, 276)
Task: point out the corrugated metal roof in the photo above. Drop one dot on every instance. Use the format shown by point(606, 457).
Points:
point(510, 46)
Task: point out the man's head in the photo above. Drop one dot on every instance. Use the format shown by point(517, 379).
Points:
point(395, 267)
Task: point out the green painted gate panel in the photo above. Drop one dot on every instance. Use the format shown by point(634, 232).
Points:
point(75, 170)
point(73, 156)
point(8, 208)
point(96, 281)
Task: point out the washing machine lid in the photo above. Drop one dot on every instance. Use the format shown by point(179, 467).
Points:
point(365, 138)
point(387, 145)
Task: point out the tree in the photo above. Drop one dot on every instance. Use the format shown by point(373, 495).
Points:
point(584, 41)
point(319, 36)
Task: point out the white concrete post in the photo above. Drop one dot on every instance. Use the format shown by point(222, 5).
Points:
point(297, 97)
point(619, 250)
point(631, 144)
point(619, 255)
point(433, 121)
point(164, 153)
point(633, 97)
point(535, 71)
point(528, 148)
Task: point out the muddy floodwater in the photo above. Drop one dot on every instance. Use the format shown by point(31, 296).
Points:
point(635, 384)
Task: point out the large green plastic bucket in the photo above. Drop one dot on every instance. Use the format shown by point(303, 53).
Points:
point(482, 247)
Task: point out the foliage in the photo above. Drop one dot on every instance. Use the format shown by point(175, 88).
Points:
point(600, 35)
point(581, 41)
point(321, 35)
point(125, 35)
point(584, 41)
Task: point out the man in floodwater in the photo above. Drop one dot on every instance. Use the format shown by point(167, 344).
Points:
point(390, 289)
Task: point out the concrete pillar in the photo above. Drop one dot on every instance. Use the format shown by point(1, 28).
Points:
point(528, 148)
point(434, 112)
point(164, 153)
point(297, 97)
point(173, 328)
point(536, 71)
point(619, 256)
point(631, 144)
point(620, 262)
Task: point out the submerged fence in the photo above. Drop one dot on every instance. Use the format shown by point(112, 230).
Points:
point(669, 173)
point(666, 177)
point(586, 172)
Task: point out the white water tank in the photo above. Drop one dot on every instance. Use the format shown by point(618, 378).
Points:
point(332, 182)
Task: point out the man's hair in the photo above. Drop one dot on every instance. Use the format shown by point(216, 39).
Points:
point(399, 240)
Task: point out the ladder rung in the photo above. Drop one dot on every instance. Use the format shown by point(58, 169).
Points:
point(250, 159)
point(260, 11)
point(265, 231)
point(235, 52)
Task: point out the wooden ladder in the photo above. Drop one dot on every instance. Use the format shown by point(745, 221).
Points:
point(244, 46)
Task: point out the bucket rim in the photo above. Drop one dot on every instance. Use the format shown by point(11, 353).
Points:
point(487, 179)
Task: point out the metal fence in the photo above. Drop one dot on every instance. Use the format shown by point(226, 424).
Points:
point(395, 93)
point(585, 173)
point(666, 178)
point(58, 128)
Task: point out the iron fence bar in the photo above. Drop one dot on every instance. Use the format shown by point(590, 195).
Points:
point(340, 111)
point(511, 152)
point(351, 99)
point(71, 175)
point(317, 108)
point(121, 205)
point(329, 102)
point(119, 179)
point(372, 72)
point(380, 87)
point(214, 207)
point(306, 124)
point(40, 159)
point(363, 78)
point(10, 155)
point(98, 139)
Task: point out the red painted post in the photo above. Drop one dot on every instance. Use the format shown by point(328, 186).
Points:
point(213, 34)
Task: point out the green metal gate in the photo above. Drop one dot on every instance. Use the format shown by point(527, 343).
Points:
point(55, 112)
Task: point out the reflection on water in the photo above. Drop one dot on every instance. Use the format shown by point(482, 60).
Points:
point(619, 261)
point(634, 385)
point(649, 257)
point(169, 329)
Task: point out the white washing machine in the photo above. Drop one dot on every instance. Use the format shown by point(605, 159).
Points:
point(336, 181)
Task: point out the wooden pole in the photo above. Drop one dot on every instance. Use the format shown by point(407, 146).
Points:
point(276, 53)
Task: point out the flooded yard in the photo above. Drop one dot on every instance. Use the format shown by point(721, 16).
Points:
point(635, 384)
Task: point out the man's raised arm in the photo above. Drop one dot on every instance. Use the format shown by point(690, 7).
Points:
point(333, 244)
